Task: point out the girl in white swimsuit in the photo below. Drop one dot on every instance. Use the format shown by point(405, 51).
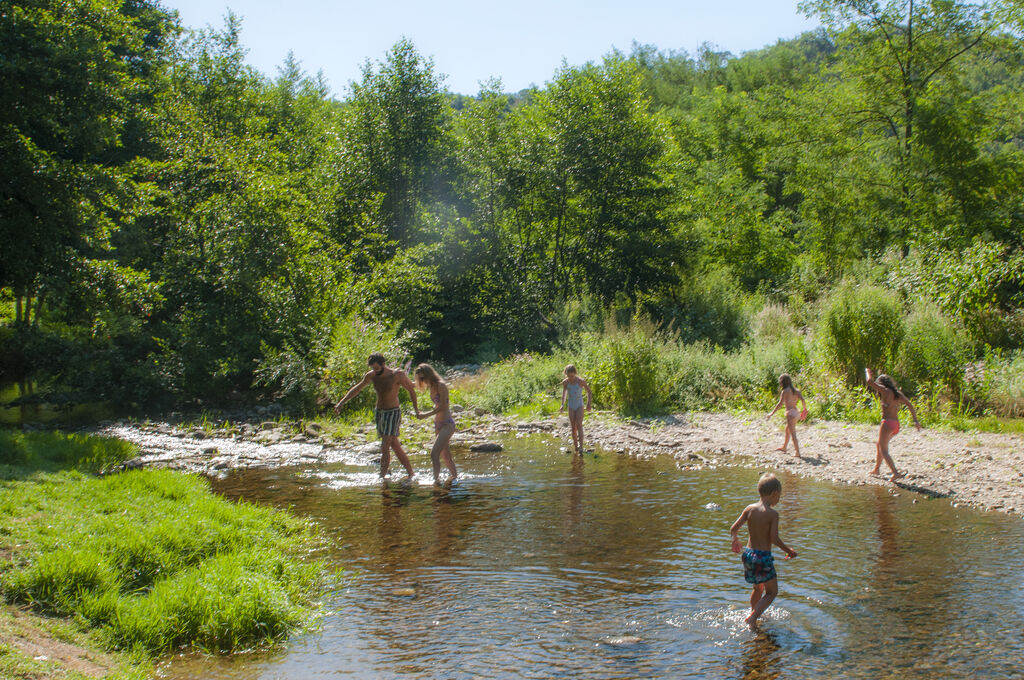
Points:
point(572, 395)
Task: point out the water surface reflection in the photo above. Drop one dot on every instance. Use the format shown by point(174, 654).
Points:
point(540, 565)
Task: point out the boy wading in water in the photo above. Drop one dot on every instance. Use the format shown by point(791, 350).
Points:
point(789, 396)
point(763, 532)
point(444, 424)
point(572, 395)
point(387, 415)
point(891, 399)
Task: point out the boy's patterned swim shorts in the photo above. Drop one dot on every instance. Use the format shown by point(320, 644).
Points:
point(758, 565)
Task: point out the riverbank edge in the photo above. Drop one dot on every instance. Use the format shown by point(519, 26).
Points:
point(977, 469)
point(35, 647)
point(35, 644)
point(981, 469)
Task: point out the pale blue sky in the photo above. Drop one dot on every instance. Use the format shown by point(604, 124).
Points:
point(520, 41)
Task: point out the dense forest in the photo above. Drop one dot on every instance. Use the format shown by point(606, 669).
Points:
point(175, 226)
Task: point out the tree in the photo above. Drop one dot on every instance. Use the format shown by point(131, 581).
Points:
point(397, 117)
point(68, 79)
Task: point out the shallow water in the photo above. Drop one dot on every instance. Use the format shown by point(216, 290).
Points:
point(538, 565)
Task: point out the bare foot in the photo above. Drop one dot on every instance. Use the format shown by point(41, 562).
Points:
point(874, 473)
point(751, 621)
point(797, 454)
point(781, 448)
point(897, 475)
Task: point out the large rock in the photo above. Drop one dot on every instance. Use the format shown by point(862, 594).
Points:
point(487, 447)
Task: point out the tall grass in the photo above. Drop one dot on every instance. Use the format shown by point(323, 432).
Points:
point(638, 368)
point(153, 559)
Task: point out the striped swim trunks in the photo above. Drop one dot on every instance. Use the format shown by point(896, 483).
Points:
point(387, 420)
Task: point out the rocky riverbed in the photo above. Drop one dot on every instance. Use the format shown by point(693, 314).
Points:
point(982, 470)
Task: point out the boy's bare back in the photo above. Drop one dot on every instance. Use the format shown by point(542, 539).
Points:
point(762, 525)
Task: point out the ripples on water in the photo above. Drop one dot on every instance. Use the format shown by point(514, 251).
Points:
point(538, 565)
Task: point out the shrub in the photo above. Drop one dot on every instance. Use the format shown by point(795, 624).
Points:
point(861, 326)
point(631, 373)
point(933, 353)
point(520, 379)
point(1006, 385)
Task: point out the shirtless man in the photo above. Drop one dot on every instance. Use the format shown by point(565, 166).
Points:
point(387, 414)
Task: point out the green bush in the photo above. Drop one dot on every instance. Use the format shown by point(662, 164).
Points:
point(933, 354)
point(1005, 385)
point(631, 374)
point(862, 326)
point(519, 380)
point(351, 342)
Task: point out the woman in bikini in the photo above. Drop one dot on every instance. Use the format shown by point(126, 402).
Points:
point(444, 424)
point(788, 397)
point(892, 399)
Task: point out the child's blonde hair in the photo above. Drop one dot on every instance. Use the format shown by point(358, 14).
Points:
point(571, 368)
point(768, 484)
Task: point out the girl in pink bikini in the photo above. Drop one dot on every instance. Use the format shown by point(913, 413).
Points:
point(892, 399)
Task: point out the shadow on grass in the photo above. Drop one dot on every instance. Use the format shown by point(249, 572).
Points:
point(25, 454)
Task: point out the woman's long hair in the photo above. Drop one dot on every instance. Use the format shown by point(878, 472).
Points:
point(785, 381)
point(425, 373)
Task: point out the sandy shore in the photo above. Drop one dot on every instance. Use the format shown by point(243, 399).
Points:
point(978, 469)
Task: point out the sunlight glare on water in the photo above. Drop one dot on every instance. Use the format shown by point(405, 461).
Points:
point(539, 565)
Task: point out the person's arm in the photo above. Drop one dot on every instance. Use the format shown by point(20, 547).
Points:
point(735, 530)
point(564, 393)
point(872, 385)
point(777, 405)
point(403, 381)
point(803, 413)
point(590, 395)
point(356, 389)
point(778, 541)
point(441, 405)
point(913, 412)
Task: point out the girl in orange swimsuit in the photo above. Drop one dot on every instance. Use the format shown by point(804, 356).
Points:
point(892, 399)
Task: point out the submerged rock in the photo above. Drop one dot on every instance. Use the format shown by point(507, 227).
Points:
point(487, 447)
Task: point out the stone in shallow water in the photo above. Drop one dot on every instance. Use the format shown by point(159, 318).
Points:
point(621, 641)
point(487, 446)
point(712, 506)
point(404, 592)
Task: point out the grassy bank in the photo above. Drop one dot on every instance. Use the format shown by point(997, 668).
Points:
point(149, 561)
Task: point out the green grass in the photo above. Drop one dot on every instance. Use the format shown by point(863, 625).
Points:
point(151, 559)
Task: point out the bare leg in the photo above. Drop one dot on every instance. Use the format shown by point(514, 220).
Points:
point(791, 432)
point(785, 443)
point(441, 440)
point(755, 595)
point(882, 451)
point(401, 455)
point(385, 455)
point(572, 427)
point(579, 428)
point(771, 589)
point(446, 458)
